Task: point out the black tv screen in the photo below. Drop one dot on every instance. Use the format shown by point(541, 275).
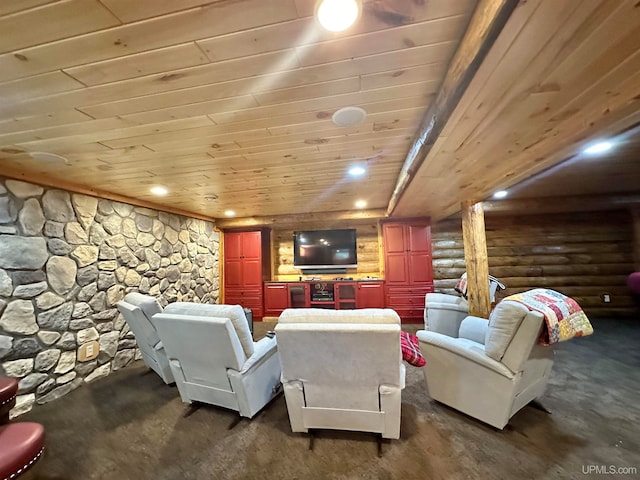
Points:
point(325, 249)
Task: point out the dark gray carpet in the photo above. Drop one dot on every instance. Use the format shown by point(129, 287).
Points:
point(130, 426)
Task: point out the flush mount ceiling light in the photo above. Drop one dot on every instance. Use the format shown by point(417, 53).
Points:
point(230, 213)
point(337, 15)
point(361, 204)
point(47, 157)
point(598, 148)
point(500, 194)
point(159, 190)
point(357, 170)
point(349, 116)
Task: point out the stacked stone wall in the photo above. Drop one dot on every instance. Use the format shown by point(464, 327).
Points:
point(65, 261)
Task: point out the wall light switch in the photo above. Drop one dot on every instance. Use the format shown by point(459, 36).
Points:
point(606, 298)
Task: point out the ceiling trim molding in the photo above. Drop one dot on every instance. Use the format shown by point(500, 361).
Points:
point(484, 27)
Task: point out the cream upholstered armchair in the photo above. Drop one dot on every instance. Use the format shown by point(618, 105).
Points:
point(214, 359)
point(489, 369)
point(443, 313)
point(342, 369)
point(138, 310)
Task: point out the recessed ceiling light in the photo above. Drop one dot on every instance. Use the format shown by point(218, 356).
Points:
point(47, 157)
point(349, 116)
point(598, 148)
point(159, 190)
point(230, 213)
point(357, 170)
point(337, 15)
point(500, 194)
point(361, 204)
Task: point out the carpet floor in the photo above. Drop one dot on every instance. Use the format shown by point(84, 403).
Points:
point(130, 425)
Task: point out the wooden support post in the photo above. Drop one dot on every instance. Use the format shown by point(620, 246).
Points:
point(635, 213)
point(476, 259)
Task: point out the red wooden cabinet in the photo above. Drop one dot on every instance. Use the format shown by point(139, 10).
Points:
point(370, 295)
point(408, 266)
point(246, 266)
point(276, 298)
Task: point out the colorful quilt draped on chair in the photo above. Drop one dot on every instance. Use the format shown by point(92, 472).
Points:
point(563, 316)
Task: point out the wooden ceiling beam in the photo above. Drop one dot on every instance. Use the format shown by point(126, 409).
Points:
point(352, 217)
point(484, 27)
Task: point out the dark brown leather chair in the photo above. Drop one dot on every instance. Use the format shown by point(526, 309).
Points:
point(8, 391)
point(21, 443)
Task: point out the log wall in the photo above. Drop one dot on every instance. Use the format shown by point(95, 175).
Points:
point(581, 255)
point(367, 234)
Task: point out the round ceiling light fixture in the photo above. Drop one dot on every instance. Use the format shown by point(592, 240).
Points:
point(230, 213)
point(159, 190)
point(337, 15)
point(349, 116)
point(48, 157)
point(500, 194)
point(598, 148)
point(361, 204)
point(357, 170)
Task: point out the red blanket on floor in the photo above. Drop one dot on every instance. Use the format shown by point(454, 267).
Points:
point(411, 349)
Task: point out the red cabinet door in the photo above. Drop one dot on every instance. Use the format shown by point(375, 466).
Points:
point(370, 295)
point(395, 251)
point(420, 265)
point(243, 270)
point(276, 298)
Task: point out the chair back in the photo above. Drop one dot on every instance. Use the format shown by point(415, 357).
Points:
point(341, 357)
point(138, 310)
point(202, 343)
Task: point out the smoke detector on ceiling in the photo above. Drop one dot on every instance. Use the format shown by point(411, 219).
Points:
point(349, 116)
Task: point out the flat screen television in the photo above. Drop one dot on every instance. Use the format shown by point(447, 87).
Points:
point(325, 249)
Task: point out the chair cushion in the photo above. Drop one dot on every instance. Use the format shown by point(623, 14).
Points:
point(148, 304)
point(235, 313)
point(503, 324)
point(411, 349)
point(21, 444)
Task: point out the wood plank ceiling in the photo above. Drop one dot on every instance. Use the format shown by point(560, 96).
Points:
point(232, 99)
point(560, 75)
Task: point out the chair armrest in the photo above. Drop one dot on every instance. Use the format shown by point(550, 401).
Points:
point(263, 349)
point(462, 347)
point(474, 328)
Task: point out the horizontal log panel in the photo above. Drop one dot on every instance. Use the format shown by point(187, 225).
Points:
point(597, 280)
point(560, 248)
point(580, 255)
point(594, 257)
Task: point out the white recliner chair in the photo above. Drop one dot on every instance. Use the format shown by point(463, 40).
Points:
point(138, 310)
point(342, 369)
point(491, 368)
point(214, 359)
point(443, 313)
